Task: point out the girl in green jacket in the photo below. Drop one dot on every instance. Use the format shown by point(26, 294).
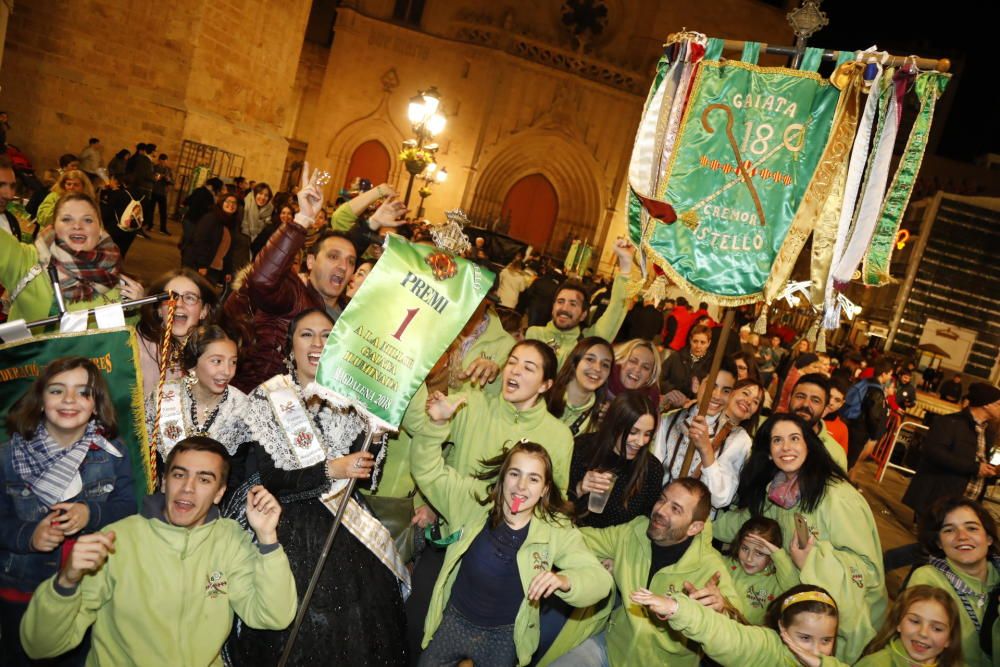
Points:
point(760, 569)
point(87, 262)
point(961, 539)
point(579, 391)
point(485, 602)
point(801, 629)
point(922, 630)
point(791, 478)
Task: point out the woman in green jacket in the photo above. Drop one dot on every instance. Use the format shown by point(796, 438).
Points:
point(961, 539)
point(485, 603)
point(791, 478)
point(922, 629)
point(578, 393)
point(801, 629)
point(87, 262)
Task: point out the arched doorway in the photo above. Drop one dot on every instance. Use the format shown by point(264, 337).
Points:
point(531, 206)
point(370, 160)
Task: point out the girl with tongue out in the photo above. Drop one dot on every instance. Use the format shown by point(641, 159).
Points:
point(960, 538)
point(87, 262)
point(511, 538)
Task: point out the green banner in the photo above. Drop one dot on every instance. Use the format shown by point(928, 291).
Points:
point(749, 142)
point(115, 352)
point(411, 306)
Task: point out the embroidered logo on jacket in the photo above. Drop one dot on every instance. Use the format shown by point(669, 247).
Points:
point(541, 562)
point(215, 585)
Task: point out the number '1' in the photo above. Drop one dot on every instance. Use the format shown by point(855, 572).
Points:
point(410, 314)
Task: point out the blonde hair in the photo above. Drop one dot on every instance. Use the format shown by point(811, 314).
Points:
point(88, 187)
point(625, 350)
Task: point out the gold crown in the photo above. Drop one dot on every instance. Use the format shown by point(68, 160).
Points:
point(449, 235)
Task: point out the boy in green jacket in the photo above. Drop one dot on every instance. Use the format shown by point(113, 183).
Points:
point(160, 588)
point(669, 552)
point(571, 306)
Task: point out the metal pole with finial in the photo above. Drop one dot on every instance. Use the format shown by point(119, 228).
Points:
point(805, 21)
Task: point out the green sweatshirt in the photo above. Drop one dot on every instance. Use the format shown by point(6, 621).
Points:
point(833, 447)
point(606, 326)
point(572, 412)
point(165, 596)
point(484, 426)
point(494, 344)
point(893, 655)
point(731, 643)
point(548, 544)
point(37, 300)
point(846, 561)
point(635, 636)
point(758, 590)
point(971, 651)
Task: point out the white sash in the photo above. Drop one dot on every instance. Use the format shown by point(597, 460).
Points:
point(369, 532)
point(295, 422)
point(173, 427)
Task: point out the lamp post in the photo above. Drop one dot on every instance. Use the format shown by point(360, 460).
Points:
point(431, 176)
point(426, 123)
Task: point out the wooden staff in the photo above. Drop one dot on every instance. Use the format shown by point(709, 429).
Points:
point(708, 386)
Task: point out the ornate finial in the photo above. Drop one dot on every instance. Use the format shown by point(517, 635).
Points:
point(807, 19)
point(449, 235)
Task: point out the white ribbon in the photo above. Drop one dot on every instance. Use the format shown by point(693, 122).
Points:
point(855, 171)
point(791, 288)
point(172, 425)
point(303, 443)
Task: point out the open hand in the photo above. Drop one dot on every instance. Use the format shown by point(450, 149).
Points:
point(481, 371)
point(441, 408)
point(310, 198)
point(392, 213)
point(804, 657)
point(709, 595)
point(662, 606)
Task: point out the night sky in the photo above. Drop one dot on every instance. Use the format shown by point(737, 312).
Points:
point(959, 31)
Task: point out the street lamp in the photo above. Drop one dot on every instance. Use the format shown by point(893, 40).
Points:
point(426, 123)
point(431, 176)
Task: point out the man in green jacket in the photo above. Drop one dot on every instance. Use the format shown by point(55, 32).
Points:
point(810, 396)
point(160, 588)
point(571, 306)
point(669, 552)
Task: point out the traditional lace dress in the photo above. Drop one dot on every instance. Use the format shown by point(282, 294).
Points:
point(178, 418)
point(356, 615)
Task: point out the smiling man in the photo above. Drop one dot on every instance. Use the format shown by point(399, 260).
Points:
point(571, 306)
point(665, 552)
point(809, 399)
point(177, 560)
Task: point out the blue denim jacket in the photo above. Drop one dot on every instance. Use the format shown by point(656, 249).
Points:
point(107, 491)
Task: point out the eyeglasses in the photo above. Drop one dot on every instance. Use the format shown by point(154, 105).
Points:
point(189, 298)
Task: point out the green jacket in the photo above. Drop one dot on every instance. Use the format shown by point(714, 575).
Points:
point(606, 326)
point(971, 652)
point(833, 447)
point(549, 544)
point(634, 636)
point(758, 590)
point(893, 655)
point(572, 412)
point(165, 596)
point(846, 561)
point(494, 344)
point(731, 643)
point(484, 426)
point(37, 300)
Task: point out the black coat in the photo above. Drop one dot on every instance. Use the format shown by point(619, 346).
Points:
point(199, 203)
point(947, 461)
point(200, 251)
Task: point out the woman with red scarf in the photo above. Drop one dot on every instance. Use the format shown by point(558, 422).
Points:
point(87, 262)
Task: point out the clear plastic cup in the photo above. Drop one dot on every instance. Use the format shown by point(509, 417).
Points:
point(598, 501)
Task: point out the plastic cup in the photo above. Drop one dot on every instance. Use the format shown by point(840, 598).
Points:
point(598, 501)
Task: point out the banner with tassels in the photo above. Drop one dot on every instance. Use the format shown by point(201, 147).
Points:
point(411, 306)
point(723, 157)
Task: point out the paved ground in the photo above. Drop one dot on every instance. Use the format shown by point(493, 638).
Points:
point(147, 259)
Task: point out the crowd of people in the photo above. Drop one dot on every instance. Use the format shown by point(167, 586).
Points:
point(557, 494)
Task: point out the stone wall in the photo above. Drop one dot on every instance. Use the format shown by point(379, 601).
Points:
point(219, 73)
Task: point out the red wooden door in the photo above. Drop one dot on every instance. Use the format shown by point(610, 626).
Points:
point(532, 207)
point(370, 160)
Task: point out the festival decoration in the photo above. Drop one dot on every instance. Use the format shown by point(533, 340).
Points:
point(115, 352)
point(725, 148)
point(411, 306)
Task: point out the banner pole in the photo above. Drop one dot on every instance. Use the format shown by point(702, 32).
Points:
point(709, 383)
point(321, 561)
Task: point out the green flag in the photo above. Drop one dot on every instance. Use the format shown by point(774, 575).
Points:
point(411, 306)
point(115, 352)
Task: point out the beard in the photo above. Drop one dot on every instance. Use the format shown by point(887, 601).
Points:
point(666, 537)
